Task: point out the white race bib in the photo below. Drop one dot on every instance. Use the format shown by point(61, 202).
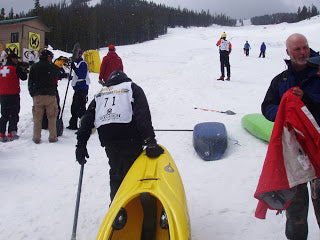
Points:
point(113, 104)
point(224, 45)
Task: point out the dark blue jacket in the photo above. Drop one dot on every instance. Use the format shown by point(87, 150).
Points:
point(246, 46)
point(263, 47)
point(307, 79)
point(81, 72)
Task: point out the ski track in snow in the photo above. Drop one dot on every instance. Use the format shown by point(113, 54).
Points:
point(178, 72)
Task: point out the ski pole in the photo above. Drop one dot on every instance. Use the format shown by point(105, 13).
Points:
point(228, 112)
point(76, 212)
point(173, 130)
point(65, 96)
point(75, 53)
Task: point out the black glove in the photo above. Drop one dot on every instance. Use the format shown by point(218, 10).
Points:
point(81, 154)
point(153, 150)
point(73, 66)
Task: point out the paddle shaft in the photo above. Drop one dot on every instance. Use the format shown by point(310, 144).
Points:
point(65, 96)
point(76, 212)
point(173, 130)
point(228, 112)
point(75, 53)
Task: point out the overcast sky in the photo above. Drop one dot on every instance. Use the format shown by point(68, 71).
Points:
point(232, 8)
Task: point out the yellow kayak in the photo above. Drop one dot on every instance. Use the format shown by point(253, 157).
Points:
point(150, 203)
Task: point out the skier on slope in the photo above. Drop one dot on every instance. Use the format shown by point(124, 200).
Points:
point(121, 114)
point(225, 48)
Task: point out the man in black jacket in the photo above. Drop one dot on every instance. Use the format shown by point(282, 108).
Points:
point(42, 88)
point(121, 114)
point(305, 84)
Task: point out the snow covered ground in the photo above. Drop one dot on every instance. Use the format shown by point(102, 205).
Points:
point(178, 71)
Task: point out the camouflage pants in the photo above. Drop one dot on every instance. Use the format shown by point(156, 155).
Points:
point(297, 214)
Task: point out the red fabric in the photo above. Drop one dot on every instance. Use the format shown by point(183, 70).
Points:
point(9, 81)
point(110, 63)
point(293, 117)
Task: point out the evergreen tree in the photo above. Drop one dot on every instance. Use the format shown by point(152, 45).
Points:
point(36, 8)
point(2, 14)
point(314, 11)
point(11, 14)
point(302, 14)
point(116, 22)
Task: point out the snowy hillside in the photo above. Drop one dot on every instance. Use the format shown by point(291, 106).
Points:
point(178, 72)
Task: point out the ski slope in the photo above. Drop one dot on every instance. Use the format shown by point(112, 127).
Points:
point(178, 72)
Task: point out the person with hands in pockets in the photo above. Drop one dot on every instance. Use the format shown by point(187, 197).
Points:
point(121, 115)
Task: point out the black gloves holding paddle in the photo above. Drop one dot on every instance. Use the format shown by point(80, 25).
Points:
point(153, 150)
point(81, 154)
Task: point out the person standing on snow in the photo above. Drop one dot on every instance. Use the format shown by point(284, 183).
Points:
point(121, 115)
point(63, 74)
point(80, 83)
point(262, 50)
point(307, 83)
point(10, 96)
point(246, 48)
point(43, 89)
point(225, 48)
point(110, 63)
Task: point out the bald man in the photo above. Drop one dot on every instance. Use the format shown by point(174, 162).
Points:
point(305, 81)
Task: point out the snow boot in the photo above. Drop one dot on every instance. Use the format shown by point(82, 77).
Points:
point(221, 78)
point(36, 140)
point(52, 140)
point(72, 127)
point(3, 137)
point(73, 124)
point(12, 136)
point(228, 79)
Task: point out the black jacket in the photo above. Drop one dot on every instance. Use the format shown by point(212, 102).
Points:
point(19, 70)
point(139, 129)
point(308, 80)
point(42, 78)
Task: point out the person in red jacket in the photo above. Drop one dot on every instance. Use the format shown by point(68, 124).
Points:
point(110, 63)
point(10, 96)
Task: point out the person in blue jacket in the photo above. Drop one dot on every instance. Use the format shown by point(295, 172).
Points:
point(303, 78)
point(263, 50)
point(80, 83)
point(246, 48)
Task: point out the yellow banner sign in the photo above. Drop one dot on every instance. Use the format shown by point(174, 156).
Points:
point(14, 47)
point(34, 41)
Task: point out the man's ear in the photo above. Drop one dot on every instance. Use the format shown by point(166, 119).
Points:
point(287, 52)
